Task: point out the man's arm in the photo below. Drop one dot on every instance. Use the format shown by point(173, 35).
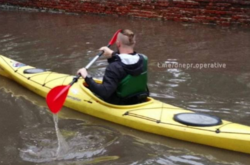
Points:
point(113, 75)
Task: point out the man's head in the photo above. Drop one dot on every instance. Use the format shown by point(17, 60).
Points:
point(126, 39)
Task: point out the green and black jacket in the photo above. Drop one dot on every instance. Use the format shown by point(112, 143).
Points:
point(125, 75)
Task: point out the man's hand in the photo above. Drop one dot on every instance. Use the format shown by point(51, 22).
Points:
point(83, 72)
point(107, 52)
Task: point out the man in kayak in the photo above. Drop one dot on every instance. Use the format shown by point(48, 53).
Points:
point(125, 79)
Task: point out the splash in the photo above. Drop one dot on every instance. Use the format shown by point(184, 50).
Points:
point(75, 141)
point(62, 144)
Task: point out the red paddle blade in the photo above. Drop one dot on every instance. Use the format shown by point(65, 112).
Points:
point(56, 98)
point(113, 40)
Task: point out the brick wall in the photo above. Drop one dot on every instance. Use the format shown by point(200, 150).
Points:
point(222, 12)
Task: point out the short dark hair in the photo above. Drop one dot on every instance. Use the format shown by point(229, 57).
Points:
point(131, 36)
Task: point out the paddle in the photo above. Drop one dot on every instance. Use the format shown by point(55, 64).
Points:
point(57, 96)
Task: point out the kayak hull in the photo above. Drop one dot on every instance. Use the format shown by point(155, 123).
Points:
point(152, 116)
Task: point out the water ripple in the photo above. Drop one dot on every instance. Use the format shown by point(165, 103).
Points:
point(83, 142)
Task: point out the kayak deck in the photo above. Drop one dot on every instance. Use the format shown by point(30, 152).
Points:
point(152, 116)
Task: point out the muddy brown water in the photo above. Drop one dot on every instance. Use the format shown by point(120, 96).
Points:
point(64, 43)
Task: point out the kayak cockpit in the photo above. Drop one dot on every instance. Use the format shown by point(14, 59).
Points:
point(99, 100)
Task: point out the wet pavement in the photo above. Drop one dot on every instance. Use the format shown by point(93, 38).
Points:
point(65, 43)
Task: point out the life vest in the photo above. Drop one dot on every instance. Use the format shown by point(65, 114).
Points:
point(132, 85)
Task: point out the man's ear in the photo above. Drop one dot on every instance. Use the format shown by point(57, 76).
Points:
point(118, 44)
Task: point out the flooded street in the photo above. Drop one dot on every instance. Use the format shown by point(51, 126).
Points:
point(65, 43)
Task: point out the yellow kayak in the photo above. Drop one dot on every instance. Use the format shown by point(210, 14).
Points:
point(152, 116)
